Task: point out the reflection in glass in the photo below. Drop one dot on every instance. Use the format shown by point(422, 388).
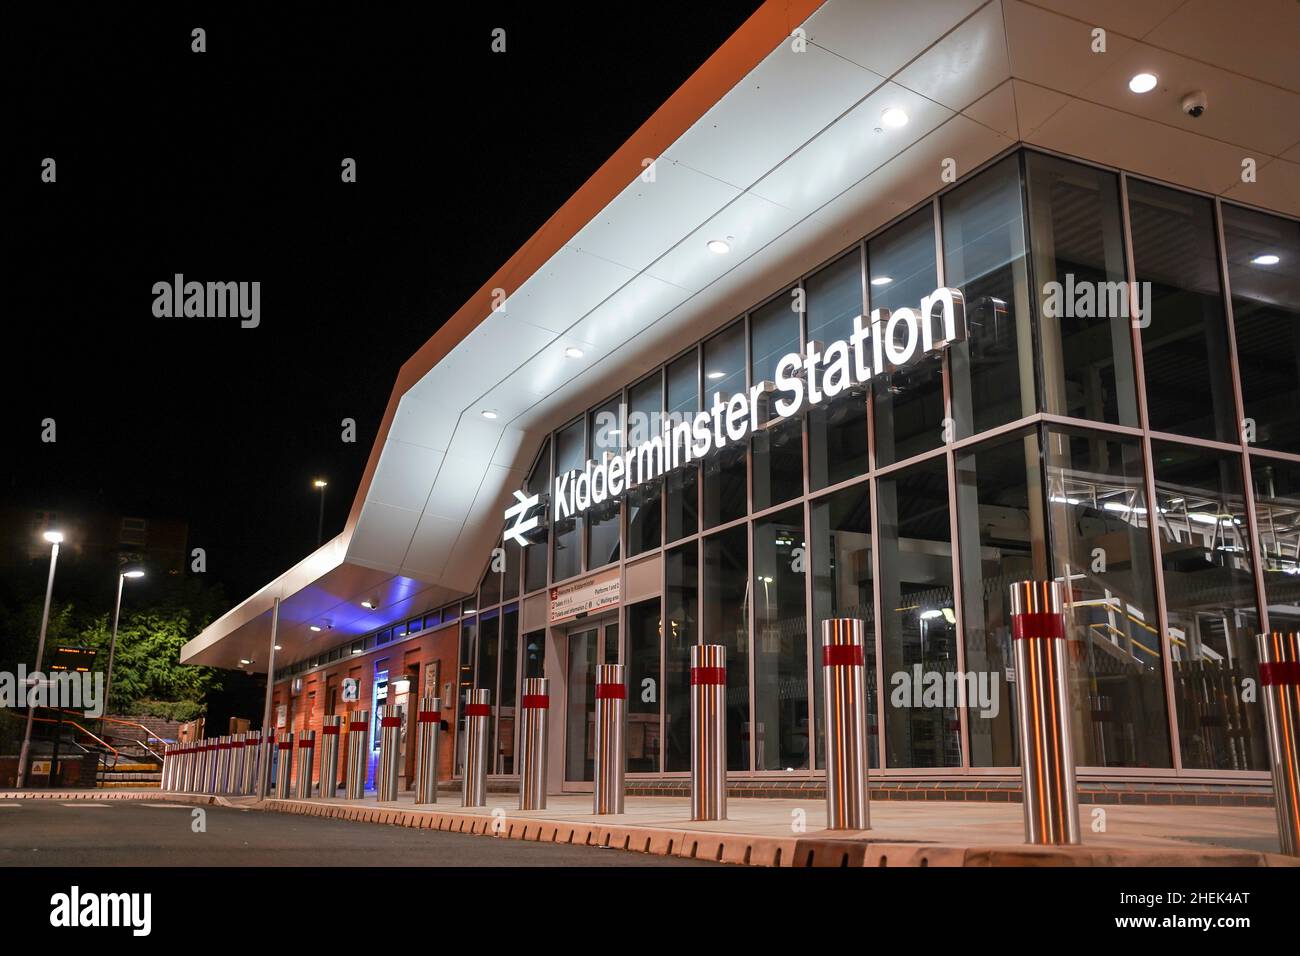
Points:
point(464, 683)
point(509, 685)
point(1264, 275)
point(535, 556)
point(920, 624)
point(643, 682)
point(837, 430)
point(984, 256)
point(486, 677)
point(842, 586)
point(566, 535)
point(725, 497)
point(606, 431)
point(778, 448)
point(644, 420)
point(1185, 344)
point(1277, 511)
point(1210, 602)
point(681, 602)
point(725, 620)
point(681, 508)
point(1085, 335)
point(534, 662)
point(908, 402)
point(1101, 550)
point(780, 643)
point(580, 708)
point(1001, 526)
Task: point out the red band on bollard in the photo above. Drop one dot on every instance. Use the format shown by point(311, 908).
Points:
point(535, 701)
point(478, 710)
point(390, 722)
point(286, 745)
point(1037, 625)
point(330, 729)
point(843, 655)
point(429, 716)
point(1279, 673)
point(611, 692)
point(306, 744)
point(708, 675)
point(357, 725)
point(238, 745)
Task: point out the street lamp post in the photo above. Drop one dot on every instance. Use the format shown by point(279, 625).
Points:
point(112, 643)
point(320, 484)
point(55, 538)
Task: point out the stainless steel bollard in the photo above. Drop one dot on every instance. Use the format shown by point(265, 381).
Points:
point(535, 703)
point(220, 764)
point(238, 754)
point(164, 772)
point(252, 752)
point(708, 732)
point(390, 726)
point(284, 765)
point(329, 756)
point(428, 726)
point(848, 805)
point(1279, 677)
point(306, 756)
point(187, 761)
point(266, 754)
point(611, 738)
point(478, 711)
point(209, 760)
point(358, 734)
point(1042, 668)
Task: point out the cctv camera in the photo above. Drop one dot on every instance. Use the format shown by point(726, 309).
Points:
point(1194, 103)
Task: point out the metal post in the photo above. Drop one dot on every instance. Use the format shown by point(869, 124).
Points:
point(708, 732)
point(268, 729)
point(224, 755)
point(428, 727)
point(1279, 676)
point(329, 756)
point(165, 771)
point(25, 751)
point(478, 711)
point(266, 754)
point(252, 753)
point(358, 728)
point(1042, 668)
point(284, 766)
point(535, 702)
point(187, 763)
point(306, 756)
point(848, 805)
point(611, 738)
point(238, 756)
point(390, 725)
point(112, 649)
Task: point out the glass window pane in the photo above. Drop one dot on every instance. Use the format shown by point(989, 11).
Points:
point(681, 507)
point(534, 662)
point(464, 683)
point(643, 658)
point(1210, 600)
point(908, 402)
point(843, 586)
point(681, 602)
point(984, 256)
point(644, 420)
point(780, 642)
point(837, 430)
point(1001, 528)
point(1185, 343)
point(489, 589)
point(1085, 333)
point(566, 535)
point(778, 449)
point(725, 620)
point(1277, 511)
point(510, 577)
point(920, 630)
point(1101, 550)
point(535, 555)
point(509, 686)
point(1264, 274)
point(603, 519)
point(725, 493)
point(489, 636)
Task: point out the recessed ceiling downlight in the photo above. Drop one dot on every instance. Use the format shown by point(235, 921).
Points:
point(893, 118)
point(1267, 259)
point(719, 247)
point(1143, 83)
point(573, 352)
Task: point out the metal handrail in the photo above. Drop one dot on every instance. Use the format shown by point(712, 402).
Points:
point(73, 723)
point(149, 734)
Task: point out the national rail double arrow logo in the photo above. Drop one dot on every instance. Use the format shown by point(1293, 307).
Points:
point(523, 504)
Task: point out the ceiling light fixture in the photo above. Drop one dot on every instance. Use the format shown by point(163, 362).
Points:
point(893, 118)
point(573, 352)
point(1267, 259)
point(489, 414)
point(882, 280)
point(719, 247)
point(1143, 83)
point(314, 627)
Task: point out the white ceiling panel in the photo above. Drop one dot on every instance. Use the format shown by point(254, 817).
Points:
point(1124, 16)
point(571, 284)
point(997, 110)
point(381, 535)
point(771, 113)
point(965, 64)
point(1056, 51)
point(628, 311)
point(404, 475)
point(883, 35)
point(1277, 186)
point(1259, 38)
point(423, 423)
point(432, 544)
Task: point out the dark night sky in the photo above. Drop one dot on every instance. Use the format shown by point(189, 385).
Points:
point(225, 166)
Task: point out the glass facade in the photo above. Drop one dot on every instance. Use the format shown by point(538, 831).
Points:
point(1092, 428)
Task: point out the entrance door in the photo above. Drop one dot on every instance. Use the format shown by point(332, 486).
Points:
point(587, 644)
